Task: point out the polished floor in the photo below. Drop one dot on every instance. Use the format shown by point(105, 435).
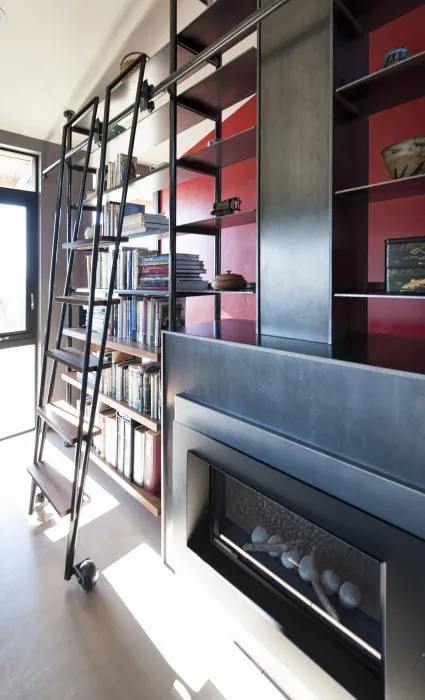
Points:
point(132, 637)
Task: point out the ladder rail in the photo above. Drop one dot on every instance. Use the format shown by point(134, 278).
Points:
point(93, 104)
point(82, 458)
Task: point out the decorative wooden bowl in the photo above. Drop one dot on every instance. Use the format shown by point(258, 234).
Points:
point(405, 159)
point(229, 281)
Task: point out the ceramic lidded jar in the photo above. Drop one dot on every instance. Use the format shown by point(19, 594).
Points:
point(230, 281)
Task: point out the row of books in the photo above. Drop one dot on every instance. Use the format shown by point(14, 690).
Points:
point(133, 450)
point(143, 319)
point(115, 171)
point(137, 384)
point(128, 264)
point(154, 272)
point(110, 213)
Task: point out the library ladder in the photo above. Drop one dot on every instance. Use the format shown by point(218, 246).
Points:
point(47, 483)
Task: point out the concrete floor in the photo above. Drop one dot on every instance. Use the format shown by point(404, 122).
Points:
point(59, 643)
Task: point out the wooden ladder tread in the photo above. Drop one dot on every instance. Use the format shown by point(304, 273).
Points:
point(74, 358)
point(56, 487)
point(82, 300)
point(63, 419)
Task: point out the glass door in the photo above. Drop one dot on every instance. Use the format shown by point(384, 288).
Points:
point(18, 295)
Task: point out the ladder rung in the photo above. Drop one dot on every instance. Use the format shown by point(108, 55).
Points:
point(81, 300)
point(74, 358)
point(56, 487)
point(87, 244)
point(63, 419)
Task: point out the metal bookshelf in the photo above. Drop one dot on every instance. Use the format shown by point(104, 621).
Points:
point(129, 102)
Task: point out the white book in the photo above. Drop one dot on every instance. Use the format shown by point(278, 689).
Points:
point(139, 455)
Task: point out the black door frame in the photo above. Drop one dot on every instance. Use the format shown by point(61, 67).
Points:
point(29, 335)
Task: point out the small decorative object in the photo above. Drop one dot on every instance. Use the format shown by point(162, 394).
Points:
point(304, 570)
point(229, 281)
point(330, 581)
point(89, 232)
point(405, 265)
point(406, 158)
point(275, 539)
point(396, 55)
point(350, 595)
point(128, 59)
point(260, 535)
point(291, 559)
point(227, 206)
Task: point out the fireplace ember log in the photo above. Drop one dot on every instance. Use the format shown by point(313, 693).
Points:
point(318, 588)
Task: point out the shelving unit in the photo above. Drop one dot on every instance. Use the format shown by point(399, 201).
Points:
point(129, 105)
point(121, 406)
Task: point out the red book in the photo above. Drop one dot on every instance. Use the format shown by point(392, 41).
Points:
point(152, 472)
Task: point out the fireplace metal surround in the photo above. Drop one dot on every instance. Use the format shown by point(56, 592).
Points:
point(197, 454)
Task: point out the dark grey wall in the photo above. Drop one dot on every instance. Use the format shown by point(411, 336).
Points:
point(295, 171)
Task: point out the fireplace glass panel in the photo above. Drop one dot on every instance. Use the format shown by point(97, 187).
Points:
point(336, 581)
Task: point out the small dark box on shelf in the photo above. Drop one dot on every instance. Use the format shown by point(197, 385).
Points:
point(405, 252)
point(405, 280)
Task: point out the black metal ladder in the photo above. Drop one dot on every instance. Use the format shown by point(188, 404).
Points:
point(62, 418)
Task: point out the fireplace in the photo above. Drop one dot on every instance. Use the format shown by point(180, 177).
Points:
point(341, 584)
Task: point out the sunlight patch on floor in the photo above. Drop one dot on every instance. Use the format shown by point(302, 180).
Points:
point(187, 634)
point(101, 501)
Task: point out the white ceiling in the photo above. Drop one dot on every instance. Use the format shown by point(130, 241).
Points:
point(56, 54)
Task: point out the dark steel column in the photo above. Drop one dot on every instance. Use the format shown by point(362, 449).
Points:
point(173, 170)
point(68, 114)
point(217, 238)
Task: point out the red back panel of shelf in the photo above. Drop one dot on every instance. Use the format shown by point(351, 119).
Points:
point(194, 202)
point(400, 217)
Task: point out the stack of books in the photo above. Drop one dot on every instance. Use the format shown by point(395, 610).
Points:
point(139, 222)
point(154, 272)
point(143, 319)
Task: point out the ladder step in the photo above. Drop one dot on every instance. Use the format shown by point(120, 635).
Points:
point(56, 487)
point(81, 300)
point(87, 244)
point(74, 358)
point(63, 418)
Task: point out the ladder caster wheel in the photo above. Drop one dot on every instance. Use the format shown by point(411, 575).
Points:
point(67, 444)
point(151, 107)
point(40, 497)
point(87, 574)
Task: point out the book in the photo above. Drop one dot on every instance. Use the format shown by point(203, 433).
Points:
point(128, 448)
point(139, 455)
point(152, 463)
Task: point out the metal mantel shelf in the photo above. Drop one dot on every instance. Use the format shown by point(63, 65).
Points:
point(239, 32)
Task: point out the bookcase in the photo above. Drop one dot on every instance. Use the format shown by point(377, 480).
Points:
point(224, 86)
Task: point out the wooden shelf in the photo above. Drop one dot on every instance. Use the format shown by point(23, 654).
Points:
point(63, 419)
point(80, 300)
point(149, 500)
point(233, 82)
point(121, 406)
point(56, 487)
point(399, 83)
point(372, 14)
point(121, 344)
point(209, 26)
point(383, 191)
point(87, 244)
point(376, 294)
point(74, 358)
point(180, 294)
point(212, 225)
point(234, 149)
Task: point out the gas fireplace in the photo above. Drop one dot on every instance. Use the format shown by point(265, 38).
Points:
point(341, 584)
